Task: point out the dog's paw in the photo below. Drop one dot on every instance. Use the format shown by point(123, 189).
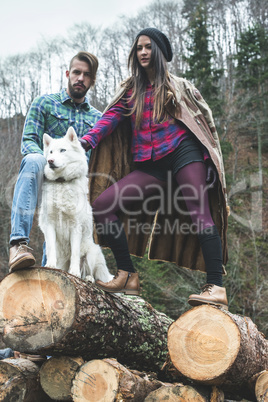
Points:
point(50, 265)
point(75, 273)
point(89, 278)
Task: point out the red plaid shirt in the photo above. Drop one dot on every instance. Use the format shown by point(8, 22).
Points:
point(151, 140)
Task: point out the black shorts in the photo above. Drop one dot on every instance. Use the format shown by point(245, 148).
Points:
point(187, 152)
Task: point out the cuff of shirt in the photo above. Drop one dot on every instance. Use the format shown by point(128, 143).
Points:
point(89, 139)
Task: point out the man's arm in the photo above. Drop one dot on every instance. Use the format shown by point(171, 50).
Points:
point(34, 128)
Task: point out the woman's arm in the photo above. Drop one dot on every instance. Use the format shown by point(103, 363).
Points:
point(105, 126)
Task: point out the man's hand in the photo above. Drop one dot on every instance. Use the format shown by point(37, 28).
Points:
point(85, 144)
point(211, 174)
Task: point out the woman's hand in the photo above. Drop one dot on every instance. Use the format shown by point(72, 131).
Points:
point(85, 144)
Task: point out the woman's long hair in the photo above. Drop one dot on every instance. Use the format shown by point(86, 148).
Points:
point(163, 89)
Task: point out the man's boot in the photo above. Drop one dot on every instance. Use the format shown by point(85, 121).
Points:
point(20, 257)
point(123, 282)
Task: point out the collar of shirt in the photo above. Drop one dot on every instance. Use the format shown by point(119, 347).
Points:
point(65, 98)
point(149, 90)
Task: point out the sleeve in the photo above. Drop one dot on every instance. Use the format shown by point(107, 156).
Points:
point(107, 123)
point(34, 128)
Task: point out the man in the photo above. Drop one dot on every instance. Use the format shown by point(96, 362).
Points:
point(51, 114)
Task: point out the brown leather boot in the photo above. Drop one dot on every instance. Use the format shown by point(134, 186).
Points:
point(211, 294)
point(123, 282)
point(20, 257)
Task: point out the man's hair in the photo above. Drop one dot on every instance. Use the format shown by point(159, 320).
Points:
point(92, 62)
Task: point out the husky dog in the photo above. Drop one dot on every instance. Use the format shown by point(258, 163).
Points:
point(65, 215)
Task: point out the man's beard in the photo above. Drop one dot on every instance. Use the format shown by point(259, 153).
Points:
point(76, 94)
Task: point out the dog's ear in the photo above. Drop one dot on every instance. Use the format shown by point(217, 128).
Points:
point(71, 134)
point(46, 140)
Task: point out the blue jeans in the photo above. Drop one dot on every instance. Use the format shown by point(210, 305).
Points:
point(27, 196)
point(5, 353)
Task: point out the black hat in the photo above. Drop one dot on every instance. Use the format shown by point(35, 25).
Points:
point(160, 39)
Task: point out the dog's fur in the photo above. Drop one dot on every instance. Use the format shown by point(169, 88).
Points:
point(65, 215)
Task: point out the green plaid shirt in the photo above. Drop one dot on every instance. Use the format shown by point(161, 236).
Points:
point(53, 114)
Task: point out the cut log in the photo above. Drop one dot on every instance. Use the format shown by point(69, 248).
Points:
point(217, 395)
point(213, 346)
point(19, 381)
point(57, 374)
point(260, 382)
point(175, 393)
point(50, 312)
point(107, 380)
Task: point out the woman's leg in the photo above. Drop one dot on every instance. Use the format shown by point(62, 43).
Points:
point(192, 181)
point(132, 188)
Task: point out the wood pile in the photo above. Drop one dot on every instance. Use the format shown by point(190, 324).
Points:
point(104, 347)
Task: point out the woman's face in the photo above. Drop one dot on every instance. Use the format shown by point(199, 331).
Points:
point(144, 51)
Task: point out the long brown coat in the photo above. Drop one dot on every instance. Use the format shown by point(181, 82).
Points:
point(164, 232)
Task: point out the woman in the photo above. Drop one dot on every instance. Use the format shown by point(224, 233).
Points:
point(173, 138)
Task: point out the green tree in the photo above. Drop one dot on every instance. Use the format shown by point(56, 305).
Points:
point(250, 122)
point(200, 59)
point(252, 86)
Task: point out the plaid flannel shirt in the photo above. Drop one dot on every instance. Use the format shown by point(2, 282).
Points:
point(151, 140)
point(53, 114)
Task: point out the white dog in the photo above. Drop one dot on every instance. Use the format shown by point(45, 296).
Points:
point(65, 215)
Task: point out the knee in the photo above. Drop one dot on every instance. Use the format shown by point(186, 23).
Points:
point(102, 206)
point(97, 205)
point(33, 163)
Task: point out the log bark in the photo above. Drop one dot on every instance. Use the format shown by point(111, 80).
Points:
point(107, 380)
point(19, 381)
point(50, 312)
point(213, 346)
point(57, 374)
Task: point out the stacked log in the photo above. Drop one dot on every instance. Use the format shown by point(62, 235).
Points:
point(215, 347)
point(259, 384)
point(19, 381)
point(108, 380)
point(208, 354)
point(57, 374)
point(50, 312)
point(175, 393)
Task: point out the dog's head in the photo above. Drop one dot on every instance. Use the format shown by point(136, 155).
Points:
point(65, 157)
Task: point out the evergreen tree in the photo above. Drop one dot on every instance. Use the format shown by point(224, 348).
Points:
point(252, 60)
point(200, 58)
point(252, 85)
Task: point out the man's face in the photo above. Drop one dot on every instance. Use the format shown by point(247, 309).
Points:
point(79, 80)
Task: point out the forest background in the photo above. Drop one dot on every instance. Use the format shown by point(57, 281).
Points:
point(222, 47)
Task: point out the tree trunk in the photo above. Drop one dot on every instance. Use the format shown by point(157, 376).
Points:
point(107, 380)
point(57, 374)
point(213, 346)
point(48, 311)
point(19, 381)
